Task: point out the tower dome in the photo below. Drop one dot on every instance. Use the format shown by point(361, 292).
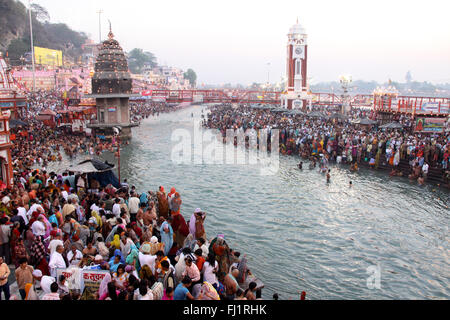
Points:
point(111, 69)
point(297, 31)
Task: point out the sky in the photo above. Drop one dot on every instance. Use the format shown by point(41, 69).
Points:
point(244, 41)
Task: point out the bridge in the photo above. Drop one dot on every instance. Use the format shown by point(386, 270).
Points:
point(244, 97)
point(391, 104)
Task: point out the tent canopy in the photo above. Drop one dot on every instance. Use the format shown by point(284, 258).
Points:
point(281, 110)
point(13, 123)
point(98, 170)
point(317, 114)
point(338, 116)
point(48, 112)
point(392, 125)
point(296, 112)
point(91, 166)
point(364, 121)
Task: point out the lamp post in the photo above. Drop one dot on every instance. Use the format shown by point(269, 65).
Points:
point(117, 140)
point(100, 25)
point(32, 48)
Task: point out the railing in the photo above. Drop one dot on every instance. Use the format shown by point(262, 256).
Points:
point(413, 105)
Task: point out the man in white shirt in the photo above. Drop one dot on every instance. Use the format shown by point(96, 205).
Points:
point(116, 208)
point(57, 261)
point(125, 245)
point(54, 243)
point(95, 208)
point(34, 207)
point(425, 168)
point(53, 295)
point(45, 281)
point(146, 258)
point(38, 227)
point(74, 256)
point(133, 206)
point(201, 244)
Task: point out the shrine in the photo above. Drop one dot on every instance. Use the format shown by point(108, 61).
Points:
point(112, 88)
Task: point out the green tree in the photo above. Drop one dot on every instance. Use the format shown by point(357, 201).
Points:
point(191, 76)
point(138, 59)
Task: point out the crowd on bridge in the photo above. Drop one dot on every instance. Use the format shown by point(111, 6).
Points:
point(324, 139)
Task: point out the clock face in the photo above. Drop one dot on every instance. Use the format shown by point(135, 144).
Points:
point(298, 50)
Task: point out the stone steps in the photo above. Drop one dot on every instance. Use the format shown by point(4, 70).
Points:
point(435, 175)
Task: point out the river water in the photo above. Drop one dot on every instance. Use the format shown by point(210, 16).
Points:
point(382, 238)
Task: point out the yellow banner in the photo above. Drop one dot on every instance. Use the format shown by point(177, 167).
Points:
point(48, 57)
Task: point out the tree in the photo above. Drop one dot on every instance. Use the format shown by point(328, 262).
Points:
point(15, 35)
point(191, 76)
point(138, 60)
point(40, 13)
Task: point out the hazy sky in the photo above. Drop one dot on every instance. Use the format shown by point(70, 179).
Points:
point(233, 41)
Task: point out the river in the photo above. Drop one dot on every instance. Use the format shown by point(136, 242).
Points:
point(382, 238)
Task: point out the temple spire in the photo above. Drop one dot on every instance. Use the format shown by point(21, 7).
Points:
point(110, 34)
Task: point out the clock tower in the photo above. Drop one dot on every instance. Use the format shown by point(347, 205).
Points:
point(296, 69)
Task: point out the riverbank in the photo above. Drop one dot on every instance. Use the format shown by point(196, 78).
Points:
point(322, 236)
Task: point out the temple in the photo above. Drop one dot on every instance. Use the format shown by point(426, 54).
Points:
point(112, 88)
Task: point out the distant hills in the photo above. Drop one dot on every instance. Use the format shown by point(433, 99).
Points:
point(15, 32)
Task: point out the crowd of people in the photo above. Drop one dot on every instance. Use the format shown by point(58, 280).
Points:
point(144, 109)
point(327, 138)
point(50, 222)
point(57, 221)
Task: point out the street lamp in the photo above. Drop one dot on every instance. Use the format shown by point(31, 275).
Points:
point(100, 25)
point(32, 47)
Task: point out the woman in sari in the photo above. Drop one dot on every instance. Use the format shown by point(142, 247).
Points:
point(116, 260)
point(97, 218)
point(38, 255)
point(176, 204)
point(48, 226)
point(144, 199)
point(133, 259)
point(103, 289)
point(20, 251)
point(30, 294)
point(222, 252)
point(116, 242)
point(120, 277)
point(163, 204)
point(207, 292)
point(34, 217)
point(15, 235)
point(167, 236)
